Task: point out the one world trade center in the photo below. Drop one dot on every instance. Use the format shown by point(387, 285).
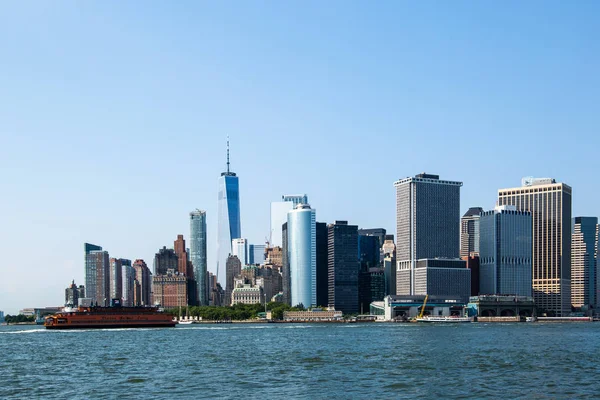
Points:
point(228, 218)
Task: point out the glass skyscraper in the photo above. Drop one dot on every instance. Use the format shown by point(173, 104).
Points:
point(302, 252)
point(584, 242)
point(97, 275)
point(505, 243)
point(228, 222)
point(198, 253)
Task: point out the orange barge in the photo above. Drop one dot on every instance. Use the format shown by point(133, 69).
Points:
point(109, 317)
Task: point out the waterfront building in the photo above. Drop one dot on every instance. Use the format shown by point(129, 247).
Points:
point(550, 206)
point(72, 295)
point(228, 220)
point(371, 288)
point(247, 294)
point(402, 307)
point(239, 248)
point(256, 254)
point(128, 274)
point(427, 227)
point(165, 260)
point(389, 264)
point(170, 290)
point(198, 254)
point(584, 264)
point(143, 278)
point(371, 278)
point(442, 277)
point(469, 232)
point(322, 264)
point(505, 251)
point(302, 251)
point(116, 279)
point(233, 269)
point(314, 315)
point(343, 267)
point(97, 274)
point(285, 268)
point(501, 306)
point(472, 262)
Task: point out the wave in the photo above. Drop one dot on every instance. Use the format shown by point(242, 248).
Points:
point(23, 331)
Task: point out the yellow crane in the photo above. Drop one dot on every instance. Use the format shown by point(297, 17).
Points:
point(423, 308)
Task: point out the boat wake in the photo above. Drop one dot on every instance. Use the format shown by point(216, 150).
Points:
point(23, 331)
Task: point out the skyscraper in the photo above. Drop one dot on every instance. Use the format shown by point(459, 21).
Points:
point(239, 248)
point(256, 253)
point(97, 275)
point(144, 280)
point(427, 227)
point(505, 251)
point(322, 265)
point(343, 266)
point(116, 279)
point(184, 267)
point(285, 266)
point(198, 253)
point(165, 260)
point(233, 269)
point(469, 232)
point(550, 206)
point(279, 211)
point(584, 265)
point(302, 252)
point(229, 226)
point(128, 275)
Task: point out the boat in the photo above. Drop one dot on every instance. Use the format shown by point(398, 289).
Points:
point(186, 322)
point(95, 317)
point(444, 319)
point(529, 319)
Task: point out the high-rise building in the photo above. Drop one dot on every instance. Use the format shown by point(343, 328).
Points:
point(371, 279)
point(256, 253)
point(469, 232)
point(228, 222)
point(116, 279)
point(72, 295)
point(239, 248)
point(302, 252)
point(550, 206)
point(143, 278)
point(427, 227)
point(343, 266)
point(233, 269)
point(170, 290)
point(279, 211)
point(184, 267)
point(322, 265)
point(97, 275)
point(198, 253)
point(128, 273)
point(505, 244)
point(389, 264)
point(472, 262)
point(165, 260)
point(274, 255)
point(285, 267)
point(583, 261)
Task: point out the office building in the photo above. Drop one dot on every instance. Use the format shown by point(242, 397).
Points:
point(239, 248)
point(128, 274)
point(274, 256)
point(143, 277)
point(442, 277)
point(198, 254)
point(370, 242)
point(285, 266)
point(97, 275)
point(371, 287)
point(165, 260)
point(343, 266)
point(427, 227)
point(505, 252)
point(247, 294)
point(469, 232)
point(583, 261)
point(302, 252)
point(170, 290)
point(116, 279)
point(228, 220)
point(256, 254)
point(279, 211)
point(550, 206)
point(472, 262)
point(233, 269)
point(322, 265)
point(72, 295)
point(389, 265)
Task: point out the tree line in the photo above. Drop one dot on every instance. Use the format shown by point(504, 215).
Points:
point(13, 319)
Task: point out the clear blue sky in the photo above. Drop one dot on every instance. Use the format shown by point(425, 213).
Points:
point(114, 116)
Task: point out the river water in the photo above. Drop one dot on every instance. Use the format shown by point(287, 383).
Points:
point(371, 360)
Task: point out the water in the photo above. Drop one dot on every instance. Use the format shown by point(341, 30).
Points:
point(467, 361)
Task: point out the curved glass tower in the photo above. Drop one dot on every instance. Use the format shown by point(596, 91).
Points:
point(302, 250)
point(198, 253)
point(229, 226)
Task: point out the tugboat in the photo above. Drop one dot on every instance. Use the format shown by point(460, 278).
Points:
point(116, 316)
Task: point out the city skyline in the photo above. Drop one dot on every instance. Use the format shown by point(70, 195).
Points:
point(306, 112)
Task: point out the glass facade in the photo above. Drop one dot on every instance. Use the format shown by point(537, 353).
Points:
point(228, 223)
point(198, 253)
point(583, 261)
point(302, 252)
point(239, 248)
point(97, 277)
point(505, 245)
point(344, 267)
point(256, 254)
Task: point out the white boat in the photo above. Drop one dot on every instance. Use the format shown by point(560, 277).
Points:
point(444, 319)
point(186, 322)
point(529, 319)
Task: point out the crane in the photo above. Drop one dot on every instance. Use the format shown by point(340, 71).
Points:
point(423, 308)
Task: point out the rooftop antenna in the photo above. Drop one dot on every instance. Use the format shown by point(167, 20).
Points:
point(227, 154)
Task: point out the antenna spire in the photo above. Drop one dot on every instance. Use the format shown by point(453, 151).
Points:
point(228, 154)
